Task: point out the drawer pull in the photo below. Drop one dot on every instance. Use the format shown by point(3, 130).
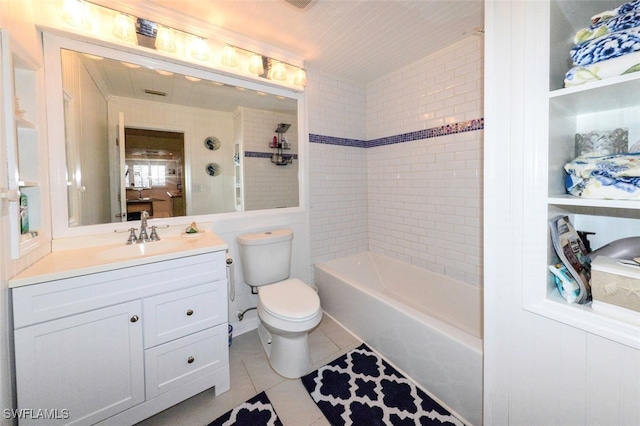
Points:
point(190, 360)
point(134, 318)
point(190, 312)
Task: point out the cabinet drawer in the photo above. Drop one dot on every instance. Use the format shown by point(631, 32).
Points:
point(55, 299)
point(173, 315)
point(178, 362)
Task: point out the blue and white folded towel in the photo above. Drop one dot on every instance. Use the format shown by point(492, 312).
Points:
point(623, 9)
point(608, 26)
point(621, 65)
point(613, 177)
point(607, 47)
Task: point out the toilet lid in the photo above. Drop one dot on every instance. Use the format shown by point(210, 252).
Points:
point(290, 299)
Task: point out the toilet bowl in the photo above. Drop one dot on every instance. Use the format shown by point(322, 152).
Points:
point(287, 308)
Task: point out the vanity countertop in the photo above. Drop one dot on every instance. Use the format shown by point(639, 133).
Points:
point(72, 262)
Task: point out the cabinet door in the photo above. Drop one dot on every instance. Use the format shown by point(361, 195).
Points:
point(83, 368)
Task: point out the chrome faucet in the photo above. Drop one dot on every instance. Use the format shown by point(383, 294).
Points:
point(143, 238)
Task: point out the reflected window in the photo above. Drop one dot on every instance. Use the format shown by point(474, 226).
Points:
point(146, 175)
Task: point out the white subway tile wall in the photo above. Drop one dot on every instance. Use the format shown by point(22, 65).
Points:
point(424, 197)
point(424, 203)
point(423, 192)
point(335, 108)
point(337, 174)
point(440, 89)
point(338, 214)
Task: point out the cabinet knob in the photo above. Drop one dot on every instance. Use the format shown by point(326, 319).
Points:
point(190, 312)
point(135, 318)
point(190, 360)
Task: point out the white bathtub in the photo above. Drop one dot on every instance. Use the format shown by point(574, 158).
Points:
point(426, 324)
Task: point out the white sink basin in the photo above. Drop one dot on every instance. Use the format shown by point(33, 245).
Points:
point(139, 250)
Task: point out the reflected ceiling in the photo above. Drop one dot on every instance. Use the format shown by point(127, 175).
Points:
point(117, 79)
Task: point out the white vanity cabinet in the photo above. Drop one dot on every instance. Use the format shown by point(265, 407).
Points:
point(118, 346)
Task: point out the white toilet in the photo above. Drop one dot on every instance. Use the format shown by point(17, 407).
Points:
point(287, 308)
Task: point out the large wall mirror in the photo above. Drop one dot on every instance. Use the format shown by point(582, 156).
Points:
point(130, 133)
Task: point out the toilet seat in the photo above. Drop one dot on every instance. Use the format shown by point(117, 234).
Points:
point(289, 300)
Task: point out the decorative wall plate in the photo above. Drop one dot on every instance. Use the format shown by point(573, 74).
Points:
point(212, 143)
point(213, 169)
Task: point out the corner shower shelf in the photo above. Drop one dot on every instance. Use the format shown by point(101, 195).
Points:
point(280, 143)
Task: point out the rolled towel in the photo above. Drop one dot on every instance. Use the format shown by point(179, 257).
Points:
point(608, 47)
point(621, 65)
point(602, 28)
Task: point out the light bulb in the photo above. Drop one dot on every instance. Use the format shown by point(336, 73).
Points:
point(199, 49)
point(229, 58)
point(124, 28)
point(278, 71)
point(255, 64)
point(76, 14)
point(165, 40)
point(300, 78)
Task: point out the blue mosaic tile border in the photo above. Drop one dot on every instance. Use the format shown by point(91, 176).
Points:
point(256, 154)
point(434, 132)
point(330, 140)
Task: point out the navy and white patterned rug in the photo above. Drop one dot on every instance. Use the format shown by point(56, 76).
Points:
point(256, 411)
point(361, 388)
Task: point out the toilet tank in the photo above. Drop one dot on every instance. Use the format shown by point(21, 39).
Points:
point(265, 256)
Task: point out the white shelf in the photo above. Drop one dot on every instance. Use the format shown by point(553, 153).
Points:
point(613, 93)
point(570, 200)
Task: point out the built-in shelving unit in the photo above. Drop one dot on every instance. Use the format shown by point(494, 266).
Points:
point(21, 86)
point(601, 105)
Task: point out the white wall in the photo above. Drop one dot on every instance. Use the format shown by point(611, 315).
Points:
point(15, 17)
point(337, 173)
point(425, 195)
point(87, 143)
point(537, 371)
point(422, 199)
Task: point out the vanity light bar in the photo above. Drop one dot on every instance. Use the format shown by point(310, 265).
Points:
point(153, 35)
point(263, 66)
point(127, 27)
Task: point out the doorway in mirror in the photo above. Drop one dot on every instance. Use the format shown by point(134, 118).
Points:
point(154, 177)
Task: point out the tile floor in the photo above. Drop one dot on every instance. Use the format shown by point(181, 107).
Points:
point(251, 374)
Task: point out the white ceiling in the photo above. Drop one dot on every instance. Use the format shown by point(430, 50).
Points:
point(360, 40)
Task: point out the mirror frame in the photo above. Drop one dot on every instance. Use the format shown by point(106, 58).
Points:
point(52, 45)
